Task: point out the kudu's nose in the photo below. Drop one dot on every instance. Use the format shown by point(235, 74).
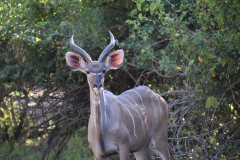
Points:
point(98, 86)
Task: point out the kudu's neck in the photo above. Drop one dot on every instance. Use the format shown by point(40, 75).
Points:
point(97, 118)
point(97, 99)
point(98, 107)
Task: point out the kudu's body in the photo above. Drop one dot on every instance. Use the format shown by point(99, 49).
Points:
point(125, 123)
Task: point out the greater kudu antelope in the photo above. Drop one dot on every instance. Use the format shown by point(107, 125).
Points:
point(125, 123)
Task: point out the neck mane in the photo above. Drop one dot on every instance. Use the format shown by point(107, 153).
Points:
point(98, 108)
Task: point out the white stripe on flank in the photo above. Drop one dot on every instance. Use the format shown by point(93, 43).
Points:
point(144, 114)
point(137, 105)
point(135, 110)
point(126, 126)
point(142, 104)
point(153, 106)
point(131, 116)
point(140, 98)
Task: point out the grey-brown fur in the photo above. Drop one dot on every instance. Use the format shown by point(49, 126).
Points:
point(125, 123)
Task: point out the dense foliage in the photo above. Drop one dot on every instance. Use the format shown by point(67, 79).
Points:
point(187, 51)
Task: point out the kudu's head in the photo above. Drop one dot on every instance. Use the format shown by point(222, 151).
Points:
point(95, 70)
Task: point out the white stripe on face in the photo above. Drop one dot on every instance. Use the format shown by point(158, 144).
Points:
point(96, 73)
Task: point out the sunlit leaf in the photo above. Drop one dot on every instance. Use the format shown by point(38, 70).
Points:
point(213, 74)
point(200, 59)
point(178, 68)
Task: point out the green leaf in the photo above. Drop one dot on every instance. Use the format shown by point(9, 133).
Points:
point(191, 62)
point(139, 6)
point(213, 139)
point(184, 40)
point(2, 114)
point(132, 13)
point(129, 21)
point(211, 102)
point(140, 16)
point(177, 34)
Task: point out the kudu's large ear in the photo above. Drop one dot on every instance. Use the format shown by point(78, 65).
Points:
point(115, 60)
point(75, 62)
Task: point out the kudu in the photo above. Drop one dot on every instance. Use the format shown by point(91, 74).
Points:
point(125, 123)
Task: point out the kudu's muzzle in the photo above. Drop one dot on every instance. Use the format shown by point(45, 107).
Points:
point(98, 85)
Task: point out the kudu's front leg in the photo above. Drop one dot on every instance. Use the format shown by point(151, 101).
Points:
point(124, 152)
point(101, 158)
point(143, 154)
